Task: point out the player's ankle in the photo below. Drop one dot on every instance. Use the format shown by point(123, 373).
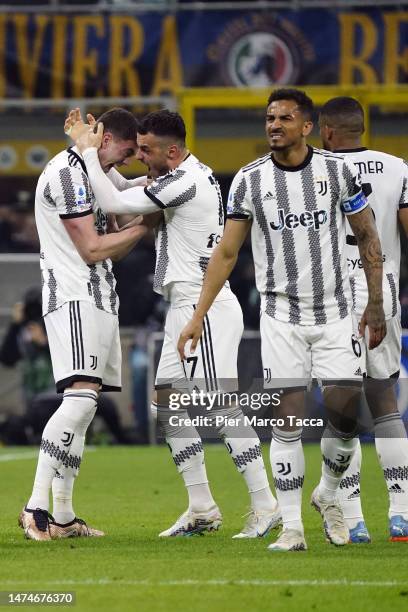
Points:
point(296, 524)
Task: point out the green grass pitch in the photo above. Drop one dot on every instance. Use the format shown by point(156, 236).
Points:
point(135, 492)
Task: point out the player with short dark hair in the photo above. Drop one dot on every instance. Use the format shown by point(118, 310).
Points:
point(385, 182)
point(78, 301)
point(188, 199)
point(164, 123)
point(302, 101)
point(295, 201)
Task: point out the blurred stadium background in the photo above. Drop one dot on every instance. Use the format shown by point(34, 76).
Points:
point(214, 62)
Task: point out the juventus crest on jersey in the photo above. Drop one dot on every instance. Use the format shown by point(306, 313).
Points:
point(63, 192)
point(385, 184)
point(298, 233)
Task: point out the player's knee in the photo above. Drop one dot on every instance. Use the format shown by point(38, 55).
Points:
point(79, 406)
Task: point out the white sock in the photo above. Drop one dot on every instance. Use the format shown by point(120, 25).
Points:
point(56, 442)
point(337, 451)
point(392, 448)
point(63, 483)
point(188, 454)
point(244, 447)
point(348, 492)
point(288, 468)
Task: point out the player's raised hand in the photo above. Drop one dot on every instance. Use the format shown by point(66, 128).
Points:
point(91, 119)
point(192, 331)
point(90, 137)
point(373, 318)
point(74, 125)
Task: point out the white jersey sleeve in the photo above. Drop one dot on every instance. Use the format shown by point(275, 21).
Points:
point(71, 193)
point(176, 188)
point(239, 204)
point(121, 182)
point(110, 199)
point(403, 203)
point(353, 199)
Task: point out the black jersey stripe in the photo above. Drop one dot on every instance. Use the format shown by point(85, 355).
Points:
point(256, 163)
point(393, 289)
point(256, 195)
point(74, 159)
point(153, 198)
point(288, 247)
point(353, 291)
point(84, 213)
point(310, 200)
point(334, 182)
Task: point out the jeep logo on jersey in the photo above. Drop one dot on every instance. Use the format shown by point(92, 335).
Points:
point(213, 239)
point(307, 218)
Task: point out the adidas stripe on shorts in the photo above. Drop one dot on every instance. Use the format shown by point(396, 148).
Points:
point(213, 367)
point(84, 345)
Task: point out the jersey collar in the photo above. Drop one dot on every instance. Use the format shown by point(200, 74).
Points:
point(357, 150)
point(304, 163)
point(74, 152)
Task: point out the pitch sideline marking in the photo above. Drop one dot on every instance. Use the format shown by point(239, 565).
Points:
point(165, 583)
point(30, 455)
point(18, 456)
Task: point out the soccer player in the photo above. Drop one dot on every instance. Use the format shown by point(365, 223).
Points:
point(296, 200)
point(186, 193)
point(80, 309)
point(385, 183)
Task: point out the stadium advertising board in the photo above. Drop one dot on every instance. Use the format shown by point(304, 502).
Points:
point(65, 55)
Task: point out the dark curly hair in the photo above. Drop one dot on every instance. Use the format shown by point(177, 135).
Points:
point(303, 101)
point(164, 123)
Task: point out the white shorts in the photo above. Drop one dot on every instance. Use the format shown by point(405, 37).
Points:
point(293, 354)
point(385, 360)
point(213, 367)
point(84, 345)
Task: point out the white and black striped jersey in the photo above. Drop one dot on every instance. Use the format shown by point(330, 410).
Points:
point(385, 184)
point(64, 192)
point(299, 233)
point(192, 226)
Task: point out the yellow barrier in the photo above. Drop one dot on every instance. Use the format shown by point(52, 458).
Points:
point(189, 100)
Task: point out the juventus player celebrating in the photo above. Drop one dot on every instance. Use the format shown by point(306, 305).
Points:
point(79, 300)
point(186, 192)
point(385, 182)
point(296, 199)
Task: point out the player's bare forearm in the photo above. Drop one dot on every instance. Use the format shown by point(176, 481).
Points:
point(221, 264)
point(94, 248)
point(219, 268)
point(403, 219)
point(126, 240)
point(369, 246)
point(218, 271)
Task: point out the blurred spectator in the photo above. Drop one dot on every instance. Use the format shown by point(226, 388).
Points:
point(26, 341)
point(18, 232)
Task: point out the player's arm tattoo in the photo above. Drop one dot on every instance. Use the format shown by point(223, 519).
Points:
point(365, 231)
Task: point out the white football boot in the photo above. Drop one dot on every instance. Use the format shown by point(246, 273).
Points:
point(191, 523)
